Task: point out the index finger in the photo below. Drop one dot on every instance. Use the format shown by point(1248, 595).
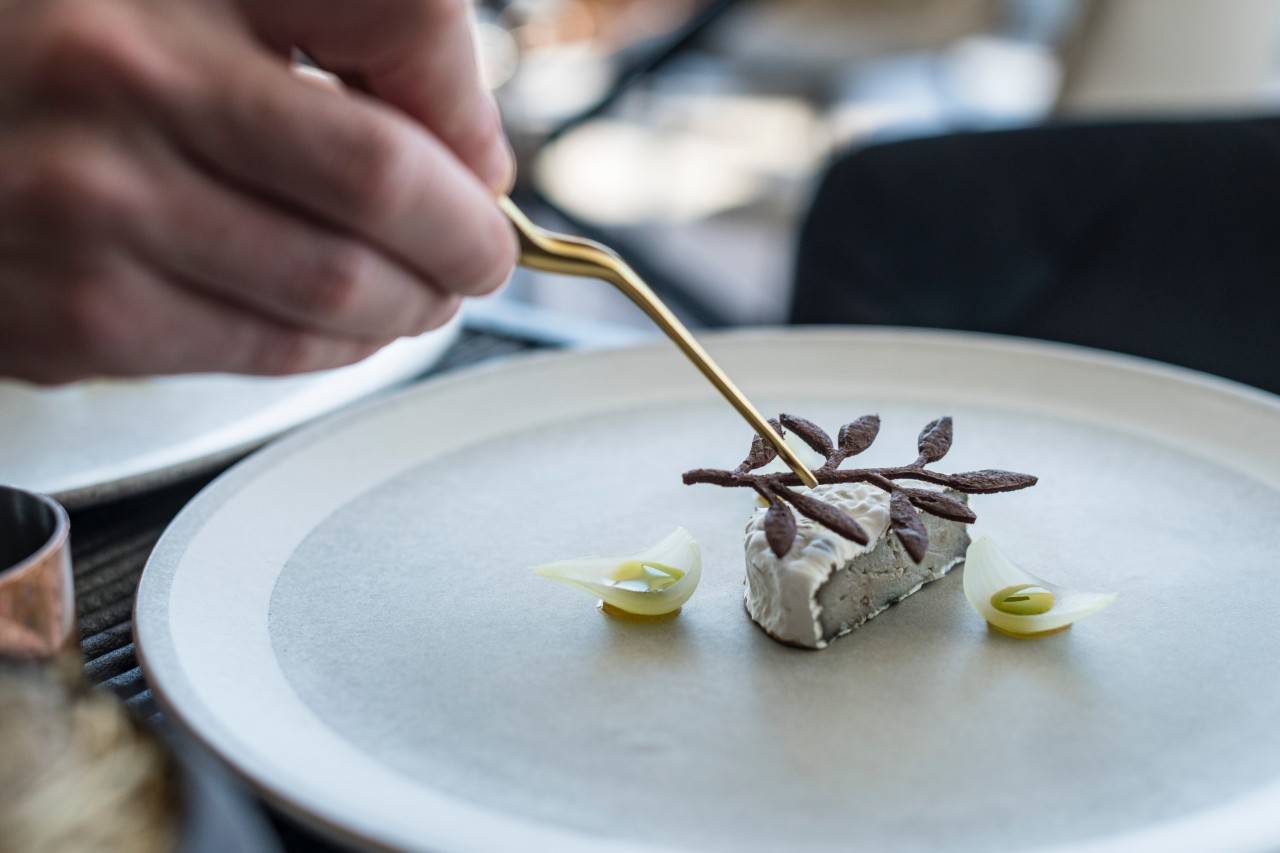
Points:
point(418, 55)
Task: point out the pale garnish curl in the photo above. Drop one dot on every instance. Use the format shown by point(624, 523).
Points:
point(655, 582)
point(1016, 602)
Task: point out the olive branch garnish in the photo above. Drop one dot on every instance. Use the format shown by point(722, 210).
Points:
point(854, 438)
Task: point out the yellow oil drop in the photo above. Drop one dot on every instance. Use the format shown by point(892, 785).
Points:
point(1031, 636)
point(626, 616)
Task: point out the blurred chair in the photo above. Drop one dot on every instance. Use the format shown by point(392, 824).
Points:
point(1106, 227)
point(1151, 238)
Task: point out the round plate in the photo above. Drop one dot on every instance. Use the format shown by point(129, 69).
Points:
point(349, 619)
point(150, 432)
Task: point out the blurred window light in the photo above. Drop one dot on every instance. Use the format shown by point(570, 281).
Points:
point(617, 173)
point(498, 53)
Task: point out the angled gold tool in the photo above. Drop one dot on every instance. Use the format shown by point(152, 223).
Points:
point(558, 253)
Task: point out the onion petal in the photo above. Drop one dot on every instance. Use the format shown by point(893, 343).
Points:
point(653, 582)
point(987, 571)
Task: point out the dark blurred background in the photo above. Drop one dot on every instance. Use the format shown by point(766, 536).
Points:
point(1094, 171)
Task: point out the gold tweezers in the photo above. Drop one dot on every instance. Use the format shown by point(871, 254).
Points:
point(558, 253)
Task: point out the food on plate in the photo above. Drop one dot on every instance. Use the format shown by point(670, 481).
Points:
point(655, 582)
point(826, 585)
point(864, 539)
point(1016, 602)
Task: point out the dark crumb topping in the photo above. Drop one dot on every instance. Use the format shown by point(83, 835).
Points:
point(854, 438)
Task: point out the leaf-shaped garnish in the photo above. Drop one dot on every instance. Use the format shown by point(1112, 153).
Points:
point(761, 454)
point(779, 528)
point(908, 527)
point(858, 436)
point(836, 520)
point(812, 434)
point(935, 440)
point(943, 506)
point(773, 479)
point(989, 482)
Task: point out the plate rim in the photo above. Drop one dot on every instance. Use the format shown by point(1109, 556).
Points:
point(95, 491)
point(1155, 837)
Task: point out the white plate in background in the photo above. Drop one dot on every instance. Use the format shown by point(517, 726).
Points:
point(94, 441)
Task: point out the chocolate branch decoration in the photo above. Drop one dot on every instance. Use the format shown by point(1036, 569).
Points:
point(854, 438)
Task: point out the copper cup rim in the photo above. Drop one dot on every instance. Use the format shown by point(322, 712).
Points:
point(56, 541)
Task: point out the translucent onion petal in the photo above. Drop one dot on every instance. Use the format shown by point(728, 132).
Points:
point(988, 571)
point(653, 582)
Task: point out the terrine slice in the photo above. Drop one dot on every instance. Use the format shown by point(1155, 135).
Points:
point(826, 585)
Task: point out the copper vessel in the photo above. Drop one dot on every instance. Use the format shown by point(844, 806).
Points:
point(37, 598)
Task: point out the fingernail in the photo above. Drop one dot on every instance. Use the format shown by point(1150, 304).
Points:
point(502, 167)
point(501, 160)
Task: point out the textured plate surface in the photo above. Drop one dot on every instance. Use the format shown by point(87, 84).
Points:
point(348, 617)
point(96, 441)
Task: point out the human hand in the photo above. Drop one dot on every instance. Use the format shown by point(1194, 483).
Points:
point(173, 198)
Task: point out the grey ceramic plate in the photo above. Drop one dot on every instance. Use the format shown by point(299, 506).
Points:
point(96, 441)
point(348, 617)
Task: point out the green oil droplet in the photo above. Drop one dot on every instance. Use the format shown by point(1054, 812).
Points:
point(1024, 599)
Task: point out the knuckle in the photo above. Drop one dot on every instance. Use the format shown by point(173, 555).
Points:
point(377, 171)
point(76, 187)
point(88, 48)
point(335, 287)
